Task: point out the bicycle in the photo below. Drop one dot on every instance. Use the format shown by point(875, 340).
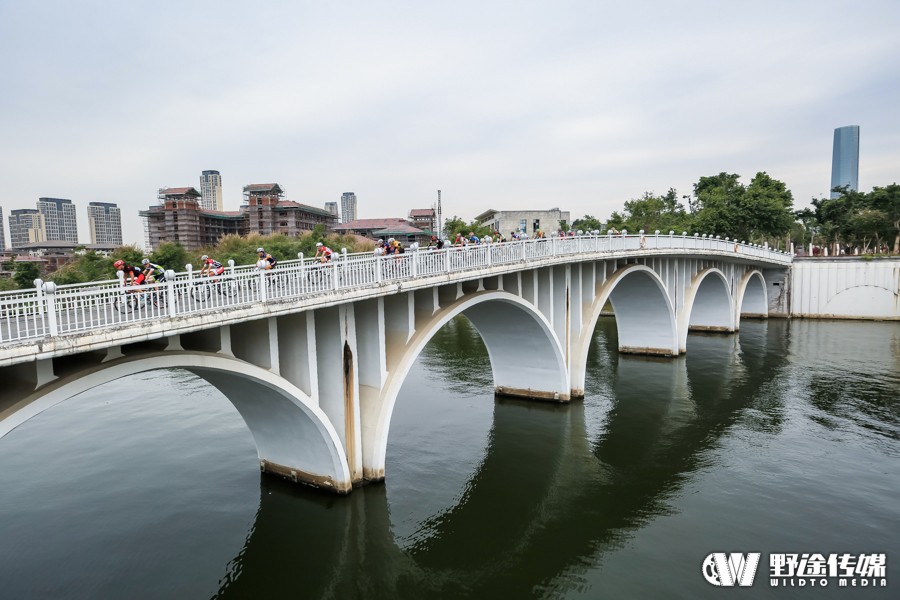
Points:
point(318, 276)
point(202, 288)
point(128, 301)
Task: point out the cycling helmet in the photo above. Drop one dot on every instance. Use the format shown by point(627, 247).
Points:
point(146, 261)
point(119, 263)
point(204, 257)
point(258, 250)
point(318, 244)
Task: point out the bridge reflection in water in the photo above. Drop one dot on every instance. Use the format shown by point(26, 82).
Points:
point(558, 486)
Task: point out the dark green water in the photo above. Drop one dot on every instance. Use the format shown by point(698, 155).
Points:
point(785, 438)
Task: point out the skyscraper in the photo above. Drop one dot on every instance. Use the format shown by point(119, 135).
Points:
point(59, 219)
point(845, 158)
point(332, 207)
point(348, 207)
point(105, 220)
point(26, 226)
point(2, 237)
point(211, 191)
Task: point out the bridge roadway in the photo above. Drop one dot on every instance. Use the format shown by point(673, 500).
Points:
point(314, 357)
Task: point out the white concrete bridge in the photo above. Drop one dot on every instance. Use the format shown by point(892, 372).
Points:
point(313, 357)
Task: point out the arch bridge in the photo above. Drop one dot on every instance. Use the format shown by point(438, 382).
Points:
point(313, 356)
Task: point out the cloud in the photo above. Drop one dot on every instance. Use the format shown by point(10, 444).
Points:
point(578, 104)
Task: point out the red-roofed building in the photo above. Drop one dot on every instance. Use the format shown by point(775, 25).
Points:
point(423, 218)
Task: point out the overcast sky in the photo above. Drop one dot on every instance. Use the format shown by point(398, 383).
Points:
point(507, 105)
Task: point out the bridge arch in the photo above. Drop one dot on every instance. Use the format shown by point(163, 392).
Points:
point(708, 305)
point(645, 319)
point(751, 299)
point(293, 437)
point(525, 353)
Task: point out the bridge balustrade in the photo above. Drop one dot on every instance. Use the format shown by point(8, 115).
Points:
point(51, 310)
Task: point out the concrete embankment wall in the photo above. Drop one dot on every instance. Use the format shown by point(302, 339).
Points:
point(845, 288)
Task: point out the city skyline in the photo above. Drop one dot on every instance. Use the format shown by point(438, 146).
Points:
point(500, 105)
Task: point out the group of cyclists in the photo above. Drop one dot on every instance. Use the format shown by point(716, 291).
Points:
point(150, 272)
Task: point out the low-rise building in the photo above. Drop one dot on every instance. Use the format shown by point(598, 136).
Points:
point(527, 221)
point(399, 229)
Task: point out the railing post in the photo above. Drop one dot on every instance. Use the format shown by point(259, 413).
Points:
point(379, 269)
point(338, 265)
point(447, 257)
point(263, 288)
point(553, 246)
point(48, 290)
point(415, 263)
point(170, 292)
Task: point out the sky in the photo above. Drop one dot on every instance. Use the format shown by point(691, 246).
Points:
point(509, 105)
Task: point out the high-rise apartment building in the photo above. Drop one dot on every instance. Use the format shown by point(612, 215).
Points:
point(332, 207)
point(211, 191)
point(26, 226)
point(105, 220)
point(2, 237)
point(845, 159)
point(59, 219)
point(348, 207)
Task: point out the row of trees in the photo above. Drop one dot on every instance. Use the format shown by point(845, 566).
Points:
point(762, 212)
point(720, 205)
point(242, 250)
point(867, 221)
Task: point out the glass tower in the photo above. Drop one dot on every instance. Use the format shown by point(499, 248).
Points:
point(845, 159)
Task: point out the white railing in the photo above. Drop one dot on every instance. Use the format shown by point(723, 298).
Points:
point(50, 310)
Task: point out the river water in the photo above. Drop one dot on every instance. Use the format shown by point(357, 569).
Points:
point(782, 439)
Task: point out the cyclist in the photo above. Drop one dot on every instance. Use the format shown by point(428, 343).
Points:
point(153, 272)
point(325, 251)
point(266, 260)
point(134, 275)
point(211, 266)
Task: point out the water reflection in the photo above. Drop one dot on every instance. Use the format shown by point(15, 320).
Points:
point(547, 496)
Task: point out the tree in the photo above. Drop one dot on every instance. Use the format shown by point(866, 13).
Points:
point(171, 255)
point(452, 226)
point(651, 212)
point(456, 225)
point(25, 274)
point(587, 223)
point(90, 266)
point(887, 200)
point(761, 211)
point(767, 203)
point(132, 255)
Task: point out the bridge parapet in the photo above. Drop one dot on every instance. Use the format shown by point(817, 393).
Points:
point(49, 311)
